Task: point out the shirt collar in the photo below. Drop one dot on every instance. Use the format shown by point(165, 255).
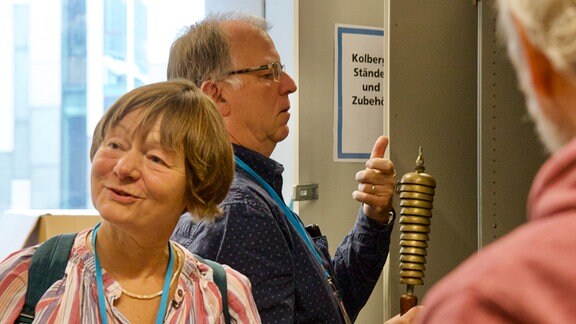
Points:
point(268, 169)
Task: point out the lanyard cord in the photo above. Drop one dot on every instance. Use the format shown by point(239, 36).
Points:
point(100, 283)
point(299, 228)
point(287, 212)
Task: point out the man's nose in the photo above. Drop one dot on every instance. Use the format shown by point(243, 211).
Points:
point(287, 84)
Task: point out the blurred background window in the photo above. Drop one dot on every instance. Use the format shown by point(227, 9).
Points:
point(62, 64)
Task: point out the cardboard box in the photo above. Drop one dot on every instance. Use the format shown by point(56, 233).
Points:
point(23, 228)
point(50, 225)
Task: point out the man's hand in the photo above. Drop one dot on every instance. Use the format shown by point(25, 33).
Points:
point(377, 183)
point(409, 317)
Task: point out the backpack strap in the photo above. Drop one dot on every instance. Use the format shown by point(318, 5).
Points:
point(47, 266)
point(219, 274)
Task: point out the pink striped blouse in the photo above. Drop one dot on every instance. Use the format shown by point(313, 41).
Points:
point(73, 299)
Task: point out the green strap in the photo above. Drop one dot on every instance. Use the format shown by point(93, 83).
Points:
point(48, 266)
point(220, 280)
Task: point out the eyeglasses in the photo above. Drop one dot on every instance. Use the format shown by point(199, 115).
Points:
point(276, 68)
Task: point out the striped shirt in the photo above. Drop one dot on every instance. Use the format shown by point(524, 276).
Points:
point(74, 298)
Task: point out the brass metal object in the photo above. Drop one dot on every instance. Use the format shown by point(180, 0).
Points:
point(416, 190)
point(412, 258)
point(413, 250)
point(414, 243)
point(416, 212)
point(412, 266)
point(415, 228)
point(416, 195)
point(414, 236)
point(416, 203)
point(412, 274)
point(412, 281)
point(414, 220)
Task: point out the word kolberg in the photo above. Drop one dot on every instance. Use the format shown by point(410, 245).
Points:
point(366, 99)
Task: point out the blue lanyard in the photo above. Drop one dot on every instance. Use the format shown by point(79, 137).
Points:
point(100, 283)
point(287, 212)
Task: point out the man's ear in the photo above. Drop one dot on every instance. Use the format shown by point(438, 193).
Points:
point(539, 66)
point(215, 91)
point(212, 89)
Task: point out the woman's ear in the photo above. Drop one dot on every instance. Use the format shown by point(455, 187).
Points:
point(215, 90)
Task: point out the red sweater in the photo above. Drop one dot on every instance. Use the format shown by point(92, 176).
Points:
point(528, 276)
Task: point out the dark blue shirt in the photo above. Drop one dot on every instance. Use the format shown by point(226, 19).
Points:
point(289, 286)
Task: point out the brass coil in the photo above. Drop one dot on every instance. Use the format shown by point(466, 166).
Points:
point(416, 190)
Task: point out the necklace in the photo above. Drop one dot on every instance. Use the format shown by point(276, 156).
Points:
point(100, 283)
point(142, 297)
point(156, 294)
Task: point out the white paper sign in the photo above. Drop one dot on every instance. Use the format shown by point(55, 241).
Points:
point(360, 91)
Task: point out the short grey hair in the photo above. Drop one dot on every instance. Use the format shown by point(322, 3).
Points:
point(202, 51)
point(550, 26)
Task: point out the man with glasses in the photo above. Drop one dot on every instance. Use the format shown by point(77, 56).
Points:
point(233, 60)
point(275, 67)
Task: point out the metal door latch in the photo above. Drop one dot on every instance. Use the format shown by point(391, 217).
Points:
point(308, 191)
